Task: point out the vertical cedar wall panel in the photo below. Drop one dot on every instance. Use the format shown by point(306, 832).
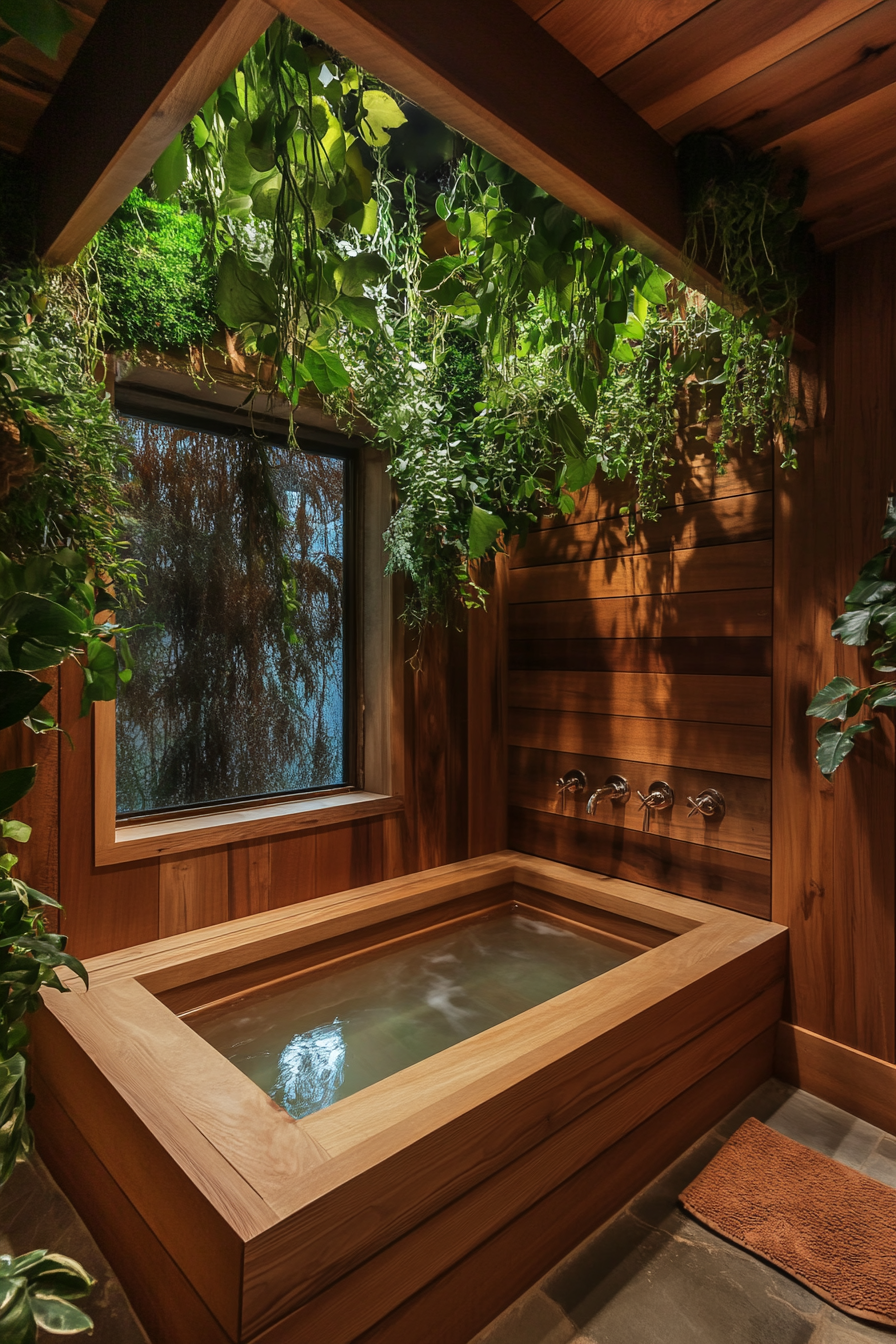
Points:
point(650, 658)
point(835, 843)
point(446, 765)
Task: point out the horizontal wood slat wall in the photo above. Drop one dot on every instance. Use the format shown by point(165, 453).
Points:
point(453, 767)
point(650, 657)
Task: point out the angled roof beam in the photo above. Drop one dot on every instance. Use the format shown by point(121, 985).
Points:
point(143, 71)
point(488, 70)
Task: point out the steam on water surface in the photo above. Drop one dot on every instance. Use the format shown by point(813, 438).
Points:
point(323, 1036)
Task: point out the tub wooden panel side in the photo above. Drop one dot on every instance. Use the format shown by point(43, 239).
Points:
point(382, 1284)
point(92, 1141)
point(437, 1153)
point(454, 1306)
point(168, 1305)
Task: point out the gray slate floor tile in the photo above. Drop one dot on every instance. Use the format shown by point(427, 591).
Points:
point(881, 1163)
point(637, 1285)
point(534, 1319)
point(825, 1128)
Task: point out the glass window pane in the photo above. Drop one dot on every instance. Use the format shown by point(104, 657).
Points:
point(223, 704)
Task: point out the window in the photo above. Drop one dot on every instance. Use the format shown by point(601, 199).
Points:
point(228, 703)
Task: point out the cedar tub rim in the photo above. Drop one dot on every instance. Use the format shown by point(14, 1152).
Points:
point(323, 1183)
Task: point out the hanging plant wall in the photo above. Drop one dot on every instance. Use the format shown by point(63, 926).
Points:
point(500, 378)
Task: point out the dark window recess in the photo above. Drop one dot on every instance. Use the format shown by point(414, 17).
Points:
point(222, 705)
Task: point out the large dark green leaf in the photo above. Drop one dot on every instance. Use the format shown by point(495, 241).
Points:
point(20, 695)
point(53, 1275)
point(868, 591)
point(245, 296)
point(831, 700)
point(852, 627)
point(45, 951)
point(59, 1317)
point(170, 169)
point(326, 369)
point(484, 530)
point(580, 472)
point(43, 23)
point(14, 784)
point(16, 1321)
point(365, 268)
point(888, 531)
point(36, 616)
point(834, 746)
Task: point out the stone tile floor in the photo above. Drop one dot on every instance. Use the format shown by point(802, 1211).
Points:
point(35, 1214)
point(653, 1275)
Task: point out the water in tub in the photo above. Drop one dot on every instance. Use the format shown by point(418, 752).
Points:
point(319, 1037)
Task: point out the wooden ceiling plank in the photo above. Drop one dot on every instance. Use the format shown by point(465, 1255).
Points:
point(872, 179)
point(603, 36)
point(536, 9)
point(724, 45)
point(847, 136)
point(496, 77)
point(855, 223)
point(141, 73)
point(846, 64)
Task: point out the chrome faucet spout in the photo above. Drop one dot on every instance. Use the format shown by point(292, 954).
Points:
point(615, 788)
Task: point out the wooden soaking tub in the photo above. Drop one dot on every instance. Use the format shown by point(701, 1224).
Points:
point(421, 1205)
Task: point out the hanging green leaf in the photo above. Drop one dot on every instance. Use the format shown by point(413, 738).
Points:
point(832, 700)
point(170, 169)
point(835, 744)
point(20, 694)
point(852, 627)
point(245, 294)
point(14, 784)
point(485, 528)
point(380, 114)
point(43, 23)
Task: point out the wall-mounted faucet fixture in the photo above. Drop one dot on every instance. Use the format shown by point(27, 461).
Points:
point(615, 788)
point(710, 803)
point(658, 797)
point(573, 781)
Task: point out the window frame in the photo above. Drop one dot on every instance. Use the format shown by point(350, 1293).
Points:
point(376, 653)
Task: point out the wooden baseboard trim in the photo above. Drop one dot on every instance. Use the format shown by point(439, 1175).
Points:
point(860, 1083)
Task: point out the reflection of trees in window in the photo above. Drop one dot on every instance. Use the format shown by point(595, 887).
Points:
point(223, 705)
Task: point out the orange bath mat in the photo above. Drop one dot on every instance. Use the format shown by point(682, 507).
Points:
point(829, 1227)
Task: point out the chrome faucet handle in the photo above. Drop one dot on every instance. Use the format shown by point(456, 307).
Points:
point(573, 781)
point(658, 797)
point(616, 788)
point(709, 803)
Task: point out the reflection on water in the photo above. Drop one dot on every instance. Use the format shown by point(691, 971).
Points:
point(311, 1069)
point(318, 1038)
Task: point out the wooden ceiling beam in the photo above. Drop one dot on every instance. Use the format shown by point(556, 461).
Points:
point(488, 70)
point(141, 73)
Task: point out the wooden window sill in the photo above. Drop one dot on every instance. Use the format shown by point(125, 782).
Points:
point(174, 835)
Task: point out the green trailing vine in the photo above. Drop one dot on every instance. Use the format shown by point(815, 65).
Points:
point(870, 617)
point(578, 355)
point(61, 449)
point(745, 224)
